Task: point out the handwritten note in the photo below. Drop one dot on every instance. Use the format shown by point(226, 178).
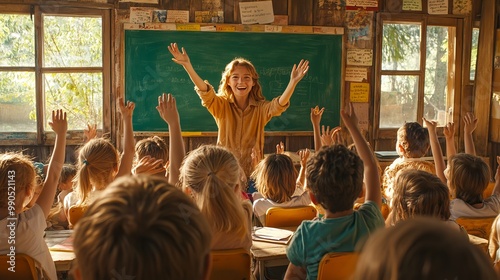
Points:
point(260, 12)
point(188, 27)
point(362, 3)
point(359, 57)
point(178, 16)
point(362, 112)
point(140, 15)
point(462, 7)
point(412, 5)
point(437, 7)
point(356, 74)
point(359, 92)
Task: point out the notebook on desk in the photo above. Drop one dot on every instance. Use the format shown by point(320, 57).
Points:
point(273, 235)
point(386, 154)
point(66, 245)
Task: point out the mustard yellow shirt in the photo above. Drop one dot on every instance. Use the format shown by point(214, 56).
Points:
point(240, 130)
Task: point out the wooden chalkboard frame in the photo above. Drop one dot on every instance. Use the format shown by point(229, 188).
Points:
point(159, 74)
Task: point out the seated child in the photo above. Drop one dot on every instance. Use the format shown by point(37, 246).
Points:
point(420, 193)
point(57, 218)
point(421, 248)
point(279, 184)
point(151, 149)
point(142, 228)
point(22, 231)
point(412, 144)
point(335, 180)
point(211, 175)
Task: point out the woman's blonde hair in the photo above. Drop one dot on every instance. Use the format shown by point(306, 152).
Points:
point(275, 177)
point(143, 228)
point(17, 174)
point(224, 88)
point(419, 193)
point(211, 173)
point(97, 160)
point(468, 178)
point(414, 139)
point(422, 248)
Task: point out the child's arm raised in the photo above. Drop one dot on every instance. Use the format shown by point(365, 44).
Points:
point(470, 124)
point(301, 178)
point(371, 173)
point(316, 115)
point(168, 112)
point(437, 154)
point(298, 72)
point(496, 189)
point(60, 125)
point(182, 58)
point(128, 138)
point(449, 134)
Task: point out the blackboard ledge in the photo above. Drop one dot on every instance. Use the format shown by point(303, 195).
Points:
point(214, 133)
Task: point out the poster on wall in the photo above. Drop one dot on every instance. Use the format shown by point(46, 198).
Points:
point(370, 5)
point(437, 7)
point(359, 27)
point(141, 1)
point(412, 5)
point(462, 7)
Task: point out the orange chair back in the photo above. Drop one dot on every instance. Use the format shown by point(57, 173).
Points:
point(478, 226)
point(75, 212)
point(230, 264)
point(337, 266)
point(26, 268)
point(289, 217)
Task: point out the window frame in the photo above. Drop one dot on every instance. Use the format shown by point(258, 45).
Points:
point(381, 135)
point(44, 135)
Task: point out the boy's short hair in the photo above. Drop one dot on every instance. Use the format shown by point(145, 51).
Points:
point(144, 228)
point(422, 248)
point(414, 138)
point(468, 178)
point(154, 147)
point(335, 177)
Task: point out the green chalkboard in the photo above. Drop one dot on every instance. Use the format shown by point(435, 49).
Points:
point(149, 71)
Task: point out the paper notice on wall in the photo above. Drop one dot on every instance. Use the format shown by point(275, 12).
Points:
point(140, 15)
point(356, 74)
point(359, 92)
point(260, 12)
point(412, 5)
point(437, 7)
point(362, 3)
point(141, 1)
point(178, 16)
point(362, 111)
point(359, 57)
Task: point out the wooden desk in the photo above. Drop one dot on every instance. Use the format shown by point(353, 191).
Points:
point(62, 259)
point(268, 254)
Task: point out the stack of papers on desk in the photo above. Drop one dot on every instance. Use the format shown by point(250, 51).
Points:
point(274, 235)
point(65, 246)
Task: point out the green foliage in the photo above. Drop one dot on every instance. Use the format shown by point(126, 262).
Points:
point(69, 41)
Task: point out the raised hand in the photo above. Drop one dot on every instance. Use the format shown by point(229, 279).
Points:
point(304, 155)
point(280, 148)
point(167, 108)
point(149, 165)
point(90, 132)
point(449, 130)
point(431, 125)
point(349, 117)
point(179, 56)
point(126, 109)
point(59, 124)
point(299, 71)
point(316, 115)
point(470, 122)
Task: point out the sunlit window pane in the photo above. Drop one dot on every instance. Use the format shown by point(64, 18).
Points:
point(398, 101)
point(473, 53)
point(437, 75)
point(17, 102)
point(72, 41)
point(79, 94)
point(17, 40)
point(401, 46)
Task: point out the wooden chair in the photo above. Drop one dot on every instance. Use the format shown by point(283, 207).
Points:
point(26, 268)
point(75, 212)
point(337, 266)
point(230, 264)
point(478, 226)
point(289, 217)
point(489, 190)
